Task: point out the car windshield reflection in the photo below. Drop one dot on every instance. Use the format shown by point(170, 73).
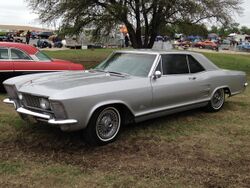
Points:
point(128, 63)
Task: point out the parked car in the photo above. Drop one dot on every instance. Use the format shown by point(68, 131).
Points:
point(58, 44)
point(43, 43)
point(34, 35)
point(45, 35)
point(17, 59)
point(3, 38)
point(245, 46)
point(18, 39)
point(73, 43)
point(225, 45)
point(207, 44)
point(96, 46)
point(185, 44)
point(130, 86)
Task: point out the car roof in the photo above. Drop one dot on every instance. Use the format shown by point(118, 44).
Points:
point(152, 51)
point(205, 62)
point(24, 47)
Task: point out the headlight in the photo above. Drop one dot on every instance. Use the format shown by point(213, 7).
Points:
point(44, 104)
point(20, 96)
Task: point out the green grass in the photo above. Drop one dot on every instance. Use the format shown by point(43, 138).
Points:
point(86, 57)
point(90, 58)
point(231, 61)
point(189, 149)
point(11, 168)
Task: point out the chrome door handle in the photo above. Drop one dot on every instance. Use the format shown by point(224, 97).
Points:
point(192, 78)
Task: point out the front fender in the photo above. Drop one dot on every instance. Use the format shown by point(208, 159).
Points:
point(106, 103)
point(82, 109)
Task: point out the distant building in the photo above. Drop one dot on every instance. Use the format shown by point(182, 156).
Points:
point(238, 37)
point(9, 28)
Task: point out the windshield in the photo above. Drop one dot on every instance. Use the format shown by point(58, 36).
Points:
point(128, 63)
point(42, 57)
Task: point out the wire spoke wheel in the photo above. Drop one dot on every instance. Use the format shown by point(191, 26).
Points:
point(108, 124)
point(218, 99)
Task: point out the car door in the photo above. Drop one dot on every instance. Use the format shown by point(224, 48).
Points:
point(198, 74)
point(6, 65)
point(24, 64)
point(176, 87)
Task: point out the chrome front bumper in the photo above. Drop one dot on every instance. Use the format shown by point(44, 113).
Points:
point(40, 115)
point(8, 101)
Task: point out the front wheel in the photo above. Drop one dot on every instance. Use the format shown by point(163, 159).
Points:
point(217, 101)
point(103, 127)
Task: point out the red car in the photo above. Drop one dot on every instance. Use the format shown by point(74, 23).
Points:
point(18, 59)
point(207, 44)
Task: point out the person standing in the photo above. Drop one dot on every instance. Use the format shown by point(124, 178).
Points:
point(122, 40)
point(28, 37)
point(126, 40)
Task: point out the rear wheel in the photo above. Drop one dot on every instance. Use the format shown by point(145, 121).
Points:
point(103, 127)
point(217, 101)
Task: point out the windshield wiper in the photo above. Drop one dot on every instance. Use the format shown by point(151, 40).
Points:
point(111, 72)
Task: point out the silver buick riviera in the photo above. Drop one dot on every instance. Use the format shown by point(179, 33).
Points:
point(129, 86)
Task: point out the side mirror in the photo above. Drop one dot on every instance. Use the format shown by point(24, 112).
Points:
point(157, 74)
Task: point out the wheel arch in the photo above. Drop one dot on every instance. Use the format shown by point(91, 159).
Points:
point(125, 111)
point(227, 91)
point(225, 88)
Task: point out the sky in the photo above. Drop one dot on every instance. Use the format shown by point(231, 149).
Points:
point(16, 12)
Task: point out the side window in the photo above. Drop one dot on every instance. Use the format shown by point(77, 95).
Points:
point(174, 64)
point(194, 65)
point(4, 53)
point(19, 55)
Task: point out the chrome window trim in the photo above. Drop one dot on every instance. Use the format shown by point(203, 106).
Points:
point(187, 61)
point(21, 60)
point(154, 65)
point(197, 62)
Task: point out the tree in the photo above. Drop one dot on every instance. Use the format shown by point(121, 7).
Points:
point(245, 30)
point(234, 28)
point(192, 29)
point(214, 29)
point(149, 15)
point(185, 28)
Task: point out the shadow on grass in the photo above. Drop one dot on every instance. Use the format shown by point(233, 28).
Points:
point(45, 142)
point(42, 137)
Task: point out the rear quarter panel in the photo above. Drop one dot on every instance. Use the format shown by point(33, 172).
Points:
point(234, 80)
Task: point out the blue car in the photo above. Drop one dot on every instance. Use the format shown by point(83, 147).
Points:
point(245, 46)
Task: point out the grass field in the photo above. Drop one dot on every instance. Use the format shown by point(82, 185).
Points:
point(190, 149)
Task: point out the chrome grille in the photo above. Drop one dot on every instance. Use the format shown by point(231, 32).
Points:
point(31, 101)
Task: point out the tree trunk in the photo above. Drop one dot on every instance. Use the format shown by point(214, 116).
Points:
point(138, 24)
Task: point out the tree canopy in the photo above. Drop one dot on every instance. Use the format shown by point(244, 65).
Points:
point(225, 30)
point(185, 28)
point(141, 17)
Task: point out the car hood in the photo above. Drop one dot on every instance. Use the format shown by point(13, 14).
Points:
point(47, 84)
